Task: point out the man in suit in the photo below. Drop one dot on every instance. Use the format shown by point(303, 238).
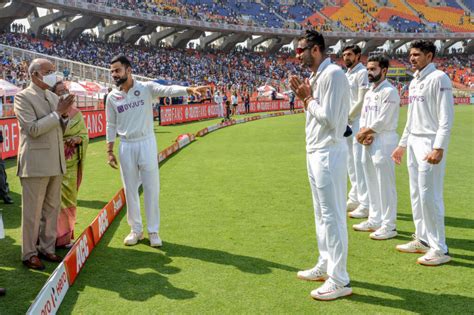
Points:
point(42, 118)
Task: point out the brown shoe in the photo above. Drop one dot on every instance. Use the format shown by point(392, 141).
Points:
point(51, 257)
point(34, 263)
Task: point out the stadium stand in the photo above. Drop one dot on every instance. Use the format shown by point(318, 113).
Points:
point(447, 16)
point(356, 15)
point(241, 68)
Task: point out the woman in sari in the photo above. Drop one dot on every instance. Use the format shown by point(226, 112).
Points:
point(76, 140)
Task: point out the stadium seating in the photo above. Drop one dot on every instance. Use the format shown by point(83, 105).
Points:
point(271, 13)
point(469, 4)
point(453, 4)
point(350, 16)
point(448, 17)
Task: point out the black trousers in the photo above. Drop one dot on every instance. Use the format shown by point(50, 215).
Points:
point(4, 189)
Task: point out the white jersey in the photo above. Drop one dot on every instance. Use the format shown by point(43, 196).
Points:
point(326, 116)
point(430, 107)
point(358, 79)
point(381, 108)
point(218, 99)
point(130, 115)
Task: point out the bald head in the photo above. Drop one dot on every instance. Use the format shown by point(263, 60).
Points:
point(42, 73)
point(40, 64)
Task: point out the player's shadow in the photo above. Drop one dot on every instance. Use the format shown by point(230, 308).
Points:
point(134, 274)
point(243, 263)
point(448, 221)
point(412, 300)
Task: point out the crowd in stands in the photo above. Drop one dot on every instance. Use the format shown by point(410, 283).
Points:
point(239, 69)
point(271, 13)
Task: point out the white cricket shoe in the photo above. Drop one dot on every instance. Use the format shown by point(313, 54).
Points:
point(313, 274)
point(330, 291)
point(433, 258)
point(365, 226)
point(155, 240)
point(351, 205)
point(359, 213)
point(415, 246)
point(383, 234)
point(133, 238)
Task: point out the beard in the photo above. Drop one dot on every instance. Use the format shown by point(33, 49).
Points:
point(376, 78)
point(348, 63)
point(120, 81)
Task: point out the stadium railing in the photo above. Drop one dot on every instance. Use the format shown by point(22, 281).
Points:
point(78, 70)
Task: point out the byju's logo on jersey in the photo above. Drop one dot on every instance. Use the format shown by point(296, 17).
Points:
point(122, 108)
point(416, 98)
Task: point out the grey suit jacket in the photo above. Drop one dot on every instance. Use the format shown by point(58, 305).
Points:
point(41, 150)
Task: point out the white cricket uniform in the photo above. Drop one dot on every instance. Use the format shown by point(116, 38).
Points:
point(428, 127)
point(380, 113)
point(220, 104)
point(130, 116)
point(326, 121)
point(358, 80)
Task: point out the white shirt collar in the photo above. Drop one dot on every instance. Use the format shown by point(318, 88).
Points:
point(321, 68)
point(425, 71)
point(375, 89)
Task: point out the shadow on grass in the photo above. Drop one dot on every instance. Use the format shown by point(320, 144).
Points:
point(413, 300)
point(133, 274)
point(243, 263)
point(12, 213)
point(92, 204)
point(458, 243)
point(22, 284)
point(448, 221)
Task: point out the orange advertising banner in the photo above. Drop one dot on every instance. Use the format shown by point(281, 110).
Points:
point(106, 216)
point(78, 255)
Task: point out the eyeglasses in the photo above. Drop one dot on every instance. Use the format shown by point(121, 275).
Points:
point(300, 50)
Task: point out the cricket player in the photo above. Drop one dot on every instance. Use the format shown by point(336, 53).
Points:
point(326, 101)
point(220, 103)
point(425, 138)
point(378, 134)
point(129, 114)
point(358, 200)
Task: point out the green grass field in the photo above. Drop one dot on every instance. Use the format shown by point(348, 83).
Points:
point(237, 223)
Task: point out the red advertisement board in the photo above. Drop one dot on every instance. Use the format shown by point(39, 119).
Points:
point(94, 119)
point(95, 122)
point(106, 216)
point(11, 137)
point(177, 114)
point(78, 255)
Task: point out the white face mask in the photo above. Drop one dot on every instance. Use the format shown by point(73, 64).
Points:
point(50, 79)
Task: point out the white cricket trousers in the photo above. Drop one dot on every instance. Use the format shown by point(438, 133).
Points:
point(139, 165)
point(358, 192)
point(426, 190)
point(379, 170)
point(327, 174)
point(221, 109)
